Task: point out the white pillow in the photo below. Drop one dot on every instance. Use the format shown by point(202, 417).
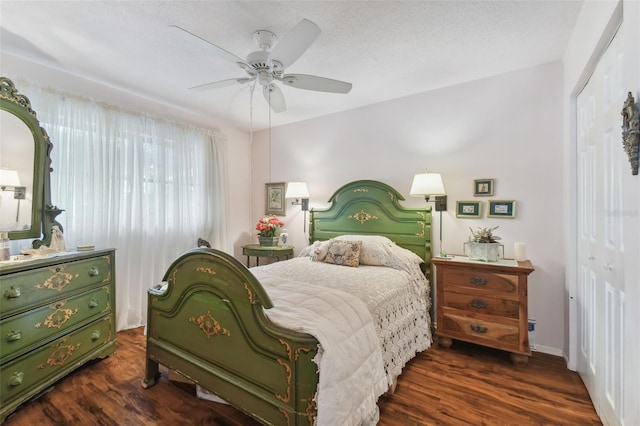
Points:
point(374, 249)
point(320, 252)
point(308, 250)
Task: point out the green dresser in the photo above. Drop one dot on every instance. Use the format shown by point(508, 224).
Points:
point(56, 314)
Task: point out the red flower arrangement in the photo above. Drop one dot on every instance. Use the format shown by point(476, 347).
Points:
point(269, 226)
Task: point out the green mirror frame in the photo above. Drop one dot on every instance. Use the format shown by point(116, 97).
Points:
point(43, 213)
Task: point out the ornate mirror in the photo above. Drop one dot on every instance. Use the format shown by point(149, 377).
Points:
point(25, 191)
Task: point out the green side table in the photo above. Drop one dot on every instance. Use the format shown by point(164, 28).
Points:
point(266, 251)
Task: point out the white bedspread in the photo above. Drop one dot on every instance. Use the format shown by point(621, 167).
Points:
point(397, 298)
point(349, 356)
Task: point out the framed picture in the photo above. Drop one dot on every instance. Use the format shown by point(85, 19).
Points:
point(274, 196)
point(468, 209)
point(502, 208)
point(482, 187)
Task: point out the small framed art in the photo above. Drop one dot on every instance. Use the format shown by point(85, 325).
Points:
point(482, 187)
point(502, 208)
point(468, 209)
point(274, 196)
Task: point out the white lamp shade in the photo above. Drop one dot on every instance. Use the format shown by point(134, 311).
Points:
point(427, 184)
point(297, 190)
point(9, 178)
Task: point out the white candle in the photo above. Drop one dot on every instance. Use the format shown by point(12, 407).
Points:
point(520, 251)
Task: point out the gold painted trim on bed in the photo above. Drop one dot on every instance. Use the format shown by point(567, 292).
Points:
point(250, 294)
point(312, 410)
point(209, 325)
point(362, 216)
point(285, 415)
point(287, 347)
point(205, 270)
point(287, 368)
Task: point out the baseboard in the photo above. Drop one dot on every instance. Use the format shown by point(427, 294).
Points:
point(548, 350)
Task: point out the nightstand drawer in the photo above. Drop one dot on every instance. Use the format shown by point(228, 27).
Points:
point(20, 290)
point(501, 335)
point(507, 308)
point(23, 377)
point(480, 281)
point(31, 328)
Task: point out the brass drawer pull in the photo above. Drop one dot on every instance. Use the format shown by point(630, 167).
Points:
point(478, 303)
point(478, 281)
point(12, 293)
point(479, 329)
point(13, 335)
point(93, 303)
point(16, 378)
point(94, 272)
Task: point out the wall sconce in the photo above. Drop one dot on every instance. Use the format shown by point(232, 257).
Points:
point(299, 191)
point(10, 181)
point(427, 185)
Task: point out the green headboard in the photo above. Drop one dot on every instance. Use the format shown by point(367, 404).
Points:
point(370, 207)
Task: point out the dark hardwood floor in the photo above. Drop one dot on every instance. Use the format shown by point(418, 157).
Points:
point(463, 385)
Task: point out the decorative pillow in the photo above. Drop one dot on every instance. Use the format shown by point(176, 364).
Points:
point(345, 253)
point(374, 250)
point(308, 250)
point(320, 251)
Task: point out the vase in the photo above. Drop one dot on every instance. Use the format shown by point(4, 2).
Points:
point(268, 241)
point(485, 252)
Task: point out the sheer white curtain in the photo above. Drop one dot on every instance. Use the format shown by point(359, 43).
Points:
point(146, 187)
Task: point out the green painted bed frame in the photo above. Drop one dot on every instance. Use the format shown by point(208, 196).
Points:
point(369, 207)
point(210, 325)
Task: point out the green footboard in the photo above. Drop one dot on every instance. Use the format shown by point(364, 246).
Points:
point(210, 326)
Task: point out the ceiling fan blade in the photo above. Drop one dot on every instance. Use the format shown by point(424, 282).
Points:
point(313, 82)
point(274, 97)
point(222, 83)
point(294, 43)
point(216, 50)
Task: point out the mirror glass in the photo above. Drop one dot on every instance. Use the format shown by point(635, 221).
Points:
point(17, 154)
point(25, 165)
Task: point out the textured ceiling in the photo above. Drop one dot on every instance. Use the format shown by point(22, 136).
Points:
point(387, 49)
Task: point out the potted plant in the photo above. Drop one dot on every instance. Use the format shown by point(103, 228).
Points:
point(269, 230)
point(483, 245)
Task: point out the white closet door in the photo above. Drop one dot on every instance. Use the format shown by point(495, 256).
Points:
point(601, 301)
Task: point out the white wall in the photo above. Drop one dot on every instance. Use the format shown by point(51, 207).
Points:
point(507, 127)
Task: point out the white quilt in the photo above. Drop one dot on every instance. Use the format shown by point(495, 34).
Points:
point(397, 299)
point(349, 356)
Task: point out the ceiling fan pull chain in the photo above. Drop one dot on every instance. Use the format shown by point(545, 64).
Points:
point(251, 89)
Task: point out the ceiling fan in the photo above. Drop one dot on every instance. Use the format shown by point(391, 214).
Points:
point(267, 65)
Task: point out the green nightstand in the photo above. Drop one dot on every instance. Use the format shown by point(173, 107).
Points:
point(266, 251)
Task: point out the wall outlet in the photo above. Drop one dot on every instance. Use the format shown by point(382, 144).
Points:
point(532, 333)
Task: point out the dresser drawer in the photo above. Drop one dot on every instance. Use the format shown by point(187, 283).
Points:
point(483, 304)
point(462, 280)
point(29, 374)
point(21, 290)
point(29, 329)
point(501, 335)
